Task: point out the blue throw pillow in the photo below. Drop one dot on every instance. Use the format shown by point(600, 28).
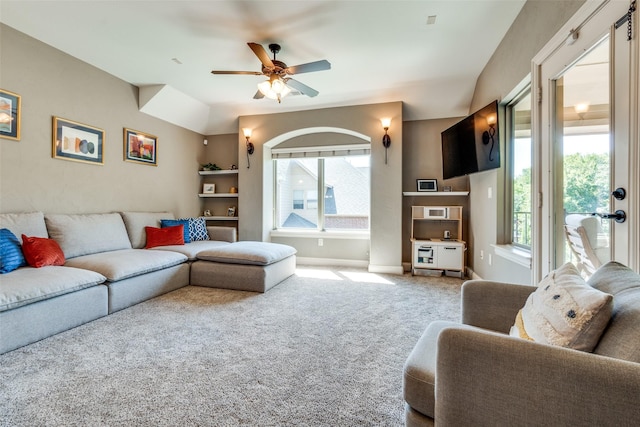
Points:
point(173, 222)
point(11, 256)
point(197, 228)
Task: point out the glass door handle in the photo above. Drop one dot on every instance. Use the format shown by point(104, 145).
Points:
point(619, 216)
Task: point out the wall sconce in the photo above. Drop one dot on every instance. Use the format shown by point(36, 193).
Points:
point(386, 139)
point(489, 134)
point(250, 147)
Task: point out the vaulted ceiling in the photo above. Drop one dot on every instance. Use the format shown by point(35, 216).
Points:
point(427, 54)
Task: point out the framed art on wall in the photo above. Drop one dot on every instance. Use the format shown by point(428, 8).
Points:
point(10, 115)
point(76, 141)
point(140, 147)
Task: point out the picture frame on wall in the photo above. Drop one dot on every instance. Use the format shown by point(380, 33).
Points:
point(140, 147)
point(77, 142)
point(427, 184)
point(10, 115)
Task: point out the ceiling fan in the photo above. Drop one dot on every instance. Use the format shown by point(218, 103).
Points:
point(279, 84)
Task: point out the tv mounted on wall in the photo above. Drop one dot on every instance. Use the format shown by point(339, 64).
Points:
point(473, 144)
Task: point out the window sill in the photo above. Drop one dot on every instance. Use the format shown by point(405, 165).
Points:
point(315, 234)
point(512, 253)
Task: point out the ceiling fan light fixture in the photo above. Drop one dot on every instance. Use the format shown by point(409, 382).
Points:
point(274, 89)
point(264, 87)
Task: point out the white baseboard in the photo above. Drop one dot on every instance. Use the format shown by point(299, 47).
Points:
point(472, 274)
point(332, 261)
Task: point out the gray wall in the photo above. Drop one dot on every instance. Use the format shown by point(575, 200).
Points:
point(538, 21)
point(53, 83)
point(255, 184)
point(422, 159)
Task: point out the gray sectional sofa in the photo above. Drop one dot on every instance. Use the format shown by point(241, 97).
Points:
point(106, 269)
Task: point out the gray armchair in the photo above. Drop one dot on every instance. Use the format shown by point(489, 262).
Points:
point(476, 374)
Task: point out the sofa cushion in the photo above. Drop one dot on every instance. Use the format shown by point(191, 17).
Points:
point(197, 228)
point(135, 222)
point(125, 263)
point(419, 377)
point(85, 234)
point(173, 222)
point(11, 256)
point(30, 223)
point(621, 339)
point(28, 285)
point(164, 236)
point(191, 250)
point(564, 311)
point(253, 253)
point(41, 252)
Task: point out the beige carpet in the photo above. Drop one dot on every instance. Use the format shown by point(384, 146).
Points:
point(324, 348)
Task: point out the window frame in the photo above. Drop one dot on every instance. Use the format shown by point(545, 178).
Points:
point(510, 169)
point(320, 204)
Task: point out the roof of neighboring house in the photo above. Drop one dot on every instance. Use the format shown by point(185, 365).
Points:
point(345, 181)
point(296, 221)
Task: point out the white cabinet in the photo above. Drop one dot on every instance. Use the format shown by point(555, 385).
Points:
point(440, 255)
point(430, 250)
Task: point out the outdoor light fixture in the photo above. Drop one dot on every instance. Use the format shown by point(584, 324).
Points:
point(274, 88)
point(386, 139)
point(250, 147)
point(581, 109)
point(489, 134)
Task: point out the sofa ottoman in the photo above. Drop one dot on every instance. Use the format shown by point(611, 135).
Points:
point(244, 266)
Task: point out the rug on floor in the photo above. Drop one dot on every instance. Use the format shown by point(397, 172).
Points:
point(324, 348)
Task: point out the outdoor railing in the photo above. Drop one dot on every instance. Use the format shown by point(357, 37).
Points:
point(522, 228)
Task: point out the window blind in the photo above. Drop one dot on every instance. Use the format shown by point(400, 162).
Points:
point(321, 151)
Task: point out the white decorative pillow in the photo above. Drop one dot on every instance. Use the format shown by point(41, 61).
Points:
point(564, 311)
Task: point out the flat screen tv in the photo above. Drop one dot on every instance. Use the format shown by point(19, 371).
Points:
point(473, 144)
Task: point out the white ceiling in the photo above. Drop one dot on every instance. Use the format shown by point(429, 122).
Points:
point(379, 51)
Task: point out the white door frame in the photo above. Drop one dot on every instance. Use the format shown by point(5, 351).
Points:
point(592, 21)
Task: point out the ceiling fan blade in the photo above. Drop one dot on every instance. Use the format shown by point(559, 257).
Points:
point(309, 67)
point(258, 95)
point(261, 54)
point(302, 88)
point(252, 73)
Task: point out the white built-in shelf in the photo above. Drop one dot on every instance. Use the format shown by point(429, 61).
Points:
point(219, 172)
point(435, 193)
point(221, 218)
point(218, 195)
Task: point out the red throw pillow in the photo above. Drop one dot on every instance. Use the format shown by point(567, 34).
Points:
point(40, 252)
point(164, 236)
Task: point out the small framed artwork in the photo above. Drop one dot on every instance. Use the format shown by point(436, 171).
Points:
point(208, 189)
point(231, 211)
point(140, 147)
point(76, 141)
point(427, 185)
point(10, 115)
